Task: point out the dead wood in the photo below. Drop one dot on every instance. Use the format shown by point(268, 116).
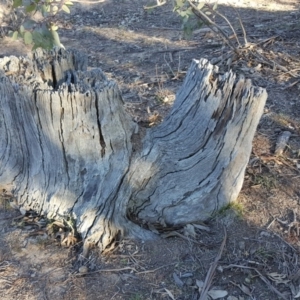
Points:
point(71, 152)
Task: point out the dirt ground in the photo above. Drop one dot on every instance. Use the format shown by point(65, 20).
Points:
point(147, 54)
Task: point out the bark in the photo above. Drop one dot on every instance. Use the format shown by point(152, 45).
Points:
point(68, 148)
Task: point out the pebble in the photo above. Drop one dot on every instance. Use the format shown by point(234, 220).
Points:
point(83, 269)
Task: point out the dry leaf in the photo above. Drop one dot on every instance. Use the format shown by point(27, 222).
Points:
point(199, 284)
point(278, 278)
point(170, 294)
point(177, 280)
point(58, 224)
point(202, 227)
point(23, 211)
point(70, 240)
point(185, 275)
point(217, 294)
point(297, 296)
point(189, 230)
point(295, 291)
point(245, 289)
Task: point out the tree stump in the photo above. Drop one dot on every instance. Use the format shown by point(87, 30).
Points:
point(69, 149)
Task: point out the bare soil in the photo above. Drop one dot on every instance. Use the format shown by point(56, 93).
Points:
point(147, 54)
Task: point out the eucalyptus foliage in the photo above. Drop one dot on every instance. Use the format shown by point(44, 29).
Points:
point(190, 21)
point(39, 27)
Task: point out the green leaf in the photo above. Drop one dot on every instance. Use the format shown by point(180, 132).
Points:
point(54, 9)
point(28, 38)
point(42, 37)
point(26, 3)
point(30, 8)
point(22, 29)
point(56, 38)
point(66, 9)
point(200, 5)
point(45, 9)
point(15, 35)
point(182, 14)
point(17, 3)
point(54, 27)
point(69, 3)
point(35, 46)
point(189, 12)
point(215, 6)
point(29, 24)
point(179, 3)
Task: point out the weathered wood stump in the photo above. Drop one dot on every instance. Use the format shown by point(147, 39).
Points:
point(68, 148)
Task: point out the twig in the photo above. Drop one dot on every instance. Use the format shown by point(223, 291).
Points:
point(291, 85)
point(227, 21)
point(175, 233)
point(89, 2)
point(106, 270)
point(242, 26)
point(173, 50)
point(212, 24)
point(267, 40)
point(123, 269)
point(115, 294)
point(154, 270)
point(273, 64)
point(211, 271)
point(157, 5)
point(163, 28)
point(169, 66)
point(263, 278)
point(2, 279)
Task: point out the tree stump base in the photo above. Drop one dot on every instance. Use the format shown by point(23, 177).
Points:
point(67, 146)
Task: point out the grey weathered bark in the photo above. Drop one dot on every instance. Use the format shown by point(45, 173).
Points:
point(68, 148)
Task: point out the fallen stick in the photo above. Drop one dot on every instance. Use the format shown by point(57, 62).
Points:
point(263, 278)
point(212, 269)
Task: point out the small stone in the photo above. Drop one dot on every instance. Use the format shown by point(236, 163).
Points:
point(189, 282)
point(242, 245)
point(83, 269)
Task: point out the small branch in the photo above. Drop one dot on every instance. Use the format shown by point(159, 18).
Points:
point(263, 278)
point(175, 233)
point(242, 26)
point(211, 271)
point(173, 50)
point(154, 270)
point(89, 2)
point(107, 270)
point(169, 66)
point(157, 5)
point(212, 24)
point(227, 21)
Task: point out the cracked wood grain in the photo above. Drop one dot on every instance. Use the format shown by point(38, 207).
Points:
point(66, 146)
